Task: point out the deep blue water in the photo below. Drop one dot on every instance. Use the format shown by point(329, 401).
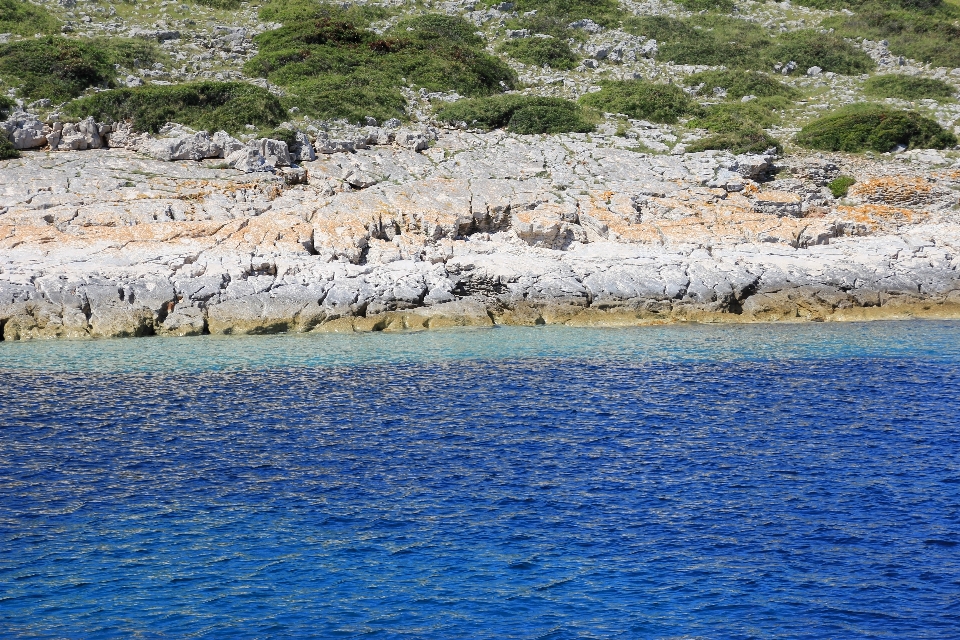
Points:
point(702, 482)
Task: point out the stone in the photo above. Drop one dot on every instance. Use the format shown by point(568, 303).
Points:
point(413, 140)
point(323, 144)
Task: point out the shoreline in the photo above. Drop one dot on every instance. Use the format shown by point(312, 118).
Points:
point(480, 229)
point(792, 310)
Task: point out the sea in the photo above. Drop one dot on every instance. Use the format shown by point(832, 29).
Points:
point(684, 481)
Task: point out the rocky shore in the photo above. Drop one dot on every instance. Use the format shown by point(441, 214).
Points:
point(433, 228)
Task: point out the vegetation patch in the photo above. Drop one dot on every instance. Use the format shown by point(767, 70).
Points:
point(220, 4)
point(809, 48)
point(6, 147)
point(742, 141)
point(59, 68)
point(908, 88)
point(553, 17)
point(213, 106)
point(664, 103)
point(841, 186)
point(333, 66)
point(519, 114)
point(719, 40)
point(25, 19)
point(707, 40)
point(553, 52)
point(707, 5)
point(874, 127)
point(604, 12)
point(737, 127)
point(739, 83)
point(926, 30)
point(7, 152)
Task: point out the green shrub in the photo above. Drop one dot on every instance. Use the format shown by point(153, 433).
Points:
point(809, 48)
point(334, 67)
point(552, 52)
point(718, 40)
point(548, 25)
point(604, 12)
point(908, 88)
point(6, 106)
point(7, 151)
point(705, 40)
point(59, 68)
point(928, 31)
point(664, 103)
point(25, 19)
point(202, 105)
point(737, 127)
point(748, 140)
point(220, 4)
point(733, 116)
point(55, 67)
point(841, 186)
point(520, 114)
point(560, 118)
point(707, 5)
point(874, 127)
point(743, 83)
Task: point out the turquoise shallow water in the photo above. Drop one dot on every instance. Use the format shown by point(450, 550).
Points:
point(763, 481)
point(671, 343)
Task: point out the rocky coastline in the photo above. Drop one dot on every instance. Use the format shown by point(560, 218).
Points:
point(424, 228)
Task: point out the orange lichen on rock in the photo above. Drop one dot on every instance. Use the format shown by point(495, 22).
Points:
point(880, 214)
point(893, 190)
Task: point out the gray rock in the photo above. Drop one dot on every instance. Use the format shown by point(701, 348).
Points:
point(413, 140)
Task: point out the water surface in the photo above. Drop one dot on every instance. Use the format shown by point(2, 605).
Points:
point(713, 482)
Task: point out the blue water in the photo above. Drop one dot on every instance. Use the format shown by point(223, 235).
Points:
point(677, 482)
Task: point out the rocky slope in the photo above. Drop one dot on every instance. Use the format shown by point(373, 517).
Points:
point(474, 229)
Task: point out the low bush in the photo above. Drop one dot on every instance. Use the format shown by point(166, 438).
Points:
point(743, 83)
point(59, 68)
point(737, 127)
point(6, 147)
point(704, 40)
point(604, 12)
point(908, 88)
point(707, 5)
point(213, 106)
point(841, 186)
point(874, 127)
point(220, 4)
point(926, 30)
point(552, 52)
point(748, 140)
point(547, 25)
point(558, 118)
point(333, 66)
point(809, 48)
point(664, 103)
point(733, 116)
point(718, 40)
point(520, 114)
point(25, 19)
point(6, 106)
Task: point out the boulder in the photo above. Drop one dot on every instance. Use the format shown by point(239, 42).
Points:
point(81, 136)
point(197, 146)
point(274, 152)
point(25, 132)
point(413, 140)
point(323, 144)
point(302, 149)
